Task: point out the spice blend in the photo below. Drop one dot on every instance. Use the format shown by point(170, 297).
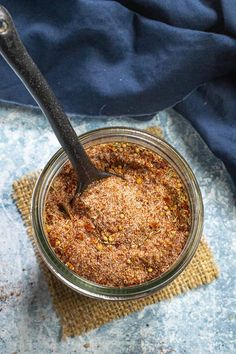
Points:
point(120, 231)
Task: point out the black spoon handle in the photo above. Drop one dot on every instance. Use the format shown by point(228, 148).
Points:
point(16, 55)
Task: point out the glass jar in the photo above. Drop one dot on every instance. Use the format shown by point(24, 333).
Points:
point(86, 287)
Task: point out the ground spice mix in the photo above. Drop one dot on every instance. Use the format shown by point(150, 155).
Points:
point(120, 231)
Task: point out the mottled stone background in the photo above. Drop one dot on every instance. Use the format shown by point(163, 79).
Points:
point(201, 321)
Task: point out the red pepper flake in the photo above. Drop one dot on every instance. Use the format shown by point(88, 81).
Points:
point(153, 225)
point(88, 227)
point(79, 236)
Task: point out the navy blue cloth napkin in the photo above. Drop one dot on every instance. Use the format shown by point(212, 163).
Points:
point(136, 57)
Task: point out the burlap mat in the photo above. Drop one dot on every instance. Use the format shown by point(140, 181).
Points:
point(79, 314)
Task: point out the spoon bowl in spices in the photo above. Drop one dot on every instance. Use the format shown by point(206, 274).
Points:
point(16, 55)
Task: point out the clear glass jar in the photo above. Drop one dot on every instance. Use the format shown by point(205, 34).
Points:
point(88, 288)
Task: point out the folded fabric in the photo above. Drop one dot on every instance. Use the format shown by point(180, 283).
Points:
point(137, 57)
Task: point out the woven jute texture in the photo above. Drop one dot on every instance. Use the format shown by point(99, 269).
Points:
point(79, 314)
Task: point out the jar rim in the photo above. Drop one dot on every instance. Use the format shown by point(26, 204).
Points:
point(82, 285)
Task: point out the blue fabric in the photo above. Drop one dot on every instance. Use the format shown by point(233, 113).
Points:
point(137, 57)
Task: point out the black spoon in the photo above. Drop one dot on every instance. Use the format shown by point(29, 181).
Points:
point(16, 55)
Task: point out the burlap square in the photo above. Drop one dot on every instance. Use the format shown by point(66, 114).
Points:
point(79, 314)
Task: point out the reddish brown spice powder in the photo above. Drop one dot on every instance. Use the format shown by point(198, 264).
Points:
point(119, 232)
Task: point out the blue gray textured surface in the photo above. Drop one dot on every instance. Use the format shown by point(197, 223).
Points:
point(200, 321)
